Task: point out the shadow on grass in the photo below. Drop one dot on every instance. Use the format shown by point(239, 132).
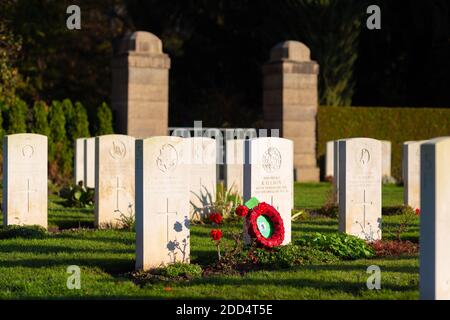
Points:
point(354, 288)
point(362, 268)
point(80, 236)
point(115, 267)
point(48, 249)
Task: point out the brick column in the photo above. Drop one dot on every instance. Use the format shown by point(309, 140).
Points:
point(140, 86)
point(290, 103)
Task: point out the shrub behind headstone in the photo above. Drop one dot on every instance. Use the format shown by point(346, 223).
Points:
point(59, 156)
point(17, 115)
point(40, 114)
point(81, 122)
point(104, 120)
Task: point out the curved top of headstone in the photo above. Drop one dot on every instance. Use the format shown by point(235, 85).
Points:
point(141, 42)
point(290, 50)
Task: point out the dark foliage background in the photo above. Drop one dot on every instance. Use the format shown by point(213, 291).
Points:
point(395, 124)
point(217, 49)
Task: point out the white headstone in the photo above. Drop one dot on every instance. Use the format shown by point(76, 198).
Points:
point(162, 202)
point(360, 188)
point(203, 177)
point(435, 220)
point(336, 170)
point(89, 162)
point(269, 176)
point(386, 158)
point(114, 177)
point(329, 159)
point(235, 165)
point(25, 179)
point(78, 171)
point(411, 173)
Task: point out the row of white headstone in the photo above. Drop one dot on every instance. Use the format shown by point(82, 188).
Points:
point(107, 163)
point(385, 156)
point(163, 181)
point(410, 168)
point(84, 164)
point(159, 168)
point(427, 171)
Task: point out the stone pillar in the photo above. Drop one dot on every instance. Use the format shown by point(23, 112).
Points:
point(140, 86)
point(290, 103)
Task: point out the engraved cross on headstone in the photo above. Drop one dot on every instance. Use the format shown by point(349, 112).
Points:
point(271, 202)
point(118, 188)
point(364, 204)
point(27, 192)
point(167, 213)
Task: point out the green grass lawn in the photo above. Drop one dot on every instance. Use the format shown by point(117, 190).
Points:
point(36, 268)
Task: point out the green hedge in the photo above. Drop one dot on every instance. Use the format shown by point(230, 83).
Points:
point(394, 124)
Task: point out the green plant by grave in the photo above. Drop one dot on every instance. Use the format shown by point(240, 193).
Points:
point(292, 255)
point(227, 201)
point(78, 196)
point(341, 245)
point(128, 221)
point(406, 216)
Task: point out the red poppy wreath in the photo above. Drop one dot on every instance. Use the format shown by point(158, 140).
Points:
point(264, 223)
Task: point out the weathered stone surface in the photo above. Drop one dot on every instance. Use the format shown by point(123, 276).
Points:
point(78, 172)
point(89, 162)
point(203, 176)
point(290, 50)
point(141, 41)
point(329, 159)
point(411, 173)
point(235, 166)
point(306, 174)
point(360, 188)
point(290, 101)
point(306, 159)
point(336, 170)
point(300, 129)
point(140, 86)
point(386, 158)
point(268, 176)
point(25, 179)
point(435, 219)
point(114, 177)
point(162, 202)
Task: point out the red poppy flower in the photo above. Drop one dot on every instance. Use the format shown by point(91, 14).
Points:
point(417, 211)
point(241, 211)
point(216, 234)
point(216, 218)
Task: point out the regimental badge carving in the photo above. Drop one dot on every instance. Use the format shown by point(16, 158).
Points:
point(271, 160)
point(118, 150)
point(363, 157)
point(27, 151)
point(167, 159)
